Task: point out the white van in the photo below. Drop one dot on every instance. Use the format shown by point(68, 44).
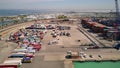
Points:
point(12, 61)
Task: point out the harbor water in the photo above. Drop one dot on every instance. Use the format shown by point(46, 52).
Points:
point(108, 64)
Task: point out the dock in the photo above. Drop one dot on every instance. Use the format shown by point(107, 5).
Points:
point(97, 58)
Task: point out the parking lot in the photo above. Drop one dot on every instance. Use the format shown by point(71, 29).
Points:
point(53, 55)
point(56, 43)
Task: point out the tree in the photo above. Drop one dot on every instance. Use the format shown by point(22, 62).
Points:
point(62, 17)
point(1, 20)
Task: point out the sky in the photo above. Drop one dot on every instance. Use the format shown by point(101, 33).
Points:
point(58, 4)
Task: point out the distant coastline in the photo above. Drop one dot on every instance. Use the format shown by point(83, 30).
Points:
point(15, 12)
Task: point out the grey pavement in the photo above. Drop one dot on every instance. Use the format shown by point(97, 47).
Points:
point(39, 62)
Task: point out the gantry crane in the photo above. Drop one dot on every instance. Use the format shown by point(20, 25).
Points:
point(117, 8)
point(117, 25)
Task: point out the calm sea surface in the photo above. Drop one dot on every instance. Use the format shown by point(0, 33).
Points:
point(12, 12)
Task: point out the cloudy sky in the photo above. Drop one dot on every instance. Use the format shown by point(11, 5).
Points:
point(57, 4)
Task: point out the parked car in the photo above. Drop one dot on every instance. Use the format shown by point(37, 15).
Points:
point(20, 50)
point(9, 65)
point(36, 46)
point(17, 61)
point(24, 58)
point(27, 60)
point(31, 55)
point(24, 50)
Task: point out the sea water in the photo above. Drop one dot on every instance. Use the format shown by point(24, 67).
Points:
point(14, 12)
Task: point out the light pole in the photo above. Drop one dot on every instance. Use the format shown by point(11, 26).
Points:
point(2, 23)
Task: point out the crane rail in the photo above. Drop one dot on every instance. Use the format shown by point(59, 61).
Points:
point(90, 37)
